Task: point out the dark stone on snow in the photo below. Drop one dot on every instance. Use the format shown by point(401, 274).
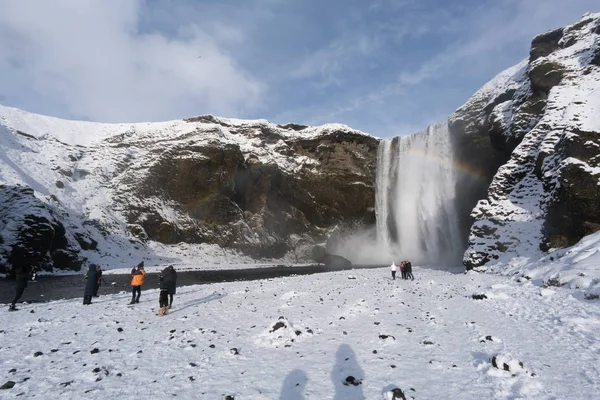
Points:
point(8, 385)
point(397, 394)
point(350, 380)
point(38, 353)
point(278, 325)
point(234, 351)
point(479, 296)
point(94, 351)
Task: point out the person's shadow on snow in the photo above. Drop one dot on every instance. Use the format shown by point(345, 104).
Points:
point(210, 297)
point(347, 375)
point(293, 386)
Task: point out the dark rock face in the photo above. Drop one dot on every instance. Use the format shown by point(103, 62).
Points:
point(575, 210)
point(241, 200)
point(39, 238)
point(545, 75)
point(544, 44)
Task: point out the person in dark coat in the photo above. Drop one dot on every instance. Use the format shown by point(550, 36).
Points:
point(90, 285)
point(409, 271)
point(168, 286)
point(98, 280)
point(22, 275)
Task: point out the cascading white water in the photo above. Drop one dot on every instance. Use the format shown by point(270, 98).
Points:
point(415, 198)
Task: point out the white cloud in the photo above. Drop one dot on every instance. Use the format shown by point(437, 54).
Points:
point(92, 58)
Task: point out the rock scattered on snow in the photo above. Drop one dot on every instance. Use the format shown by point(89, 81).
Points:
point(8, 385)
point(506, 362)
point(350, 380)
point(394, 394)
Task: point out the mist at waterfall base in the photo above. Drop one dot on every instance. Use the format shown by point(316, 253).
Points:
point(415, 204)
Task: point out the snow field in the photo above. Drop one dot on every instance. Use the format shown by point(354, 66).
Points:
point(304, 337)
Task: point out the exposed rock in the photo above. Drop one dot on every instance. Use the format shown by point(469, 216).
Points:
point(544, 44)
point(350, 380)
point(39, 239)
point(545, 75)
point(8, 385)
point(506, 362)
point(394, 394)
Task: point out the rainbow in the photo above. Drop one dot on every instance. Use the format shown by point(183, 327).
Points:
point(461, 167)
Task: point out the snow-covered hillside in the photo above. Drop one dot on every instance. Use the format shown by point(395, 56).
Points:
point(344, 335)
point(104, 182)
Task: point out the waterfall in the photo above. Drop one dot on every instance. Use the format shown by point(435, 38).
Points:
point(415, 198)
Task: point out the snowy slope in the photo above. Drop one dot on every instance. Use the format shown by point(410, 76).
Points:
point(303, 337)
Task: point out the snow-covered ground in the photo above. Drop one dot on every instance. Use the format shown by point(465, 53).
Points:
point(302, 337)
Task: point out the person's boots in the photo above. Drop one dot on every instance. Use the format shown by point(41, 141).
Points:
point(161, 311)
point(132, 301)
point(12, 308)
point(166, 311)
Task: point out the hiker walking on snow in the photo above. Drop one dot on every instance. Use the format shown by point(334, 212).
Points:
point(91, 283)
point(22, 275)
point(393, 268)
point(167, 284)
point(137, 280)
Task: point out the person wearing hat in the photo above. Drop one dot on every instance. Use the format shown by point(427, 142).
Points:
point(137, 280)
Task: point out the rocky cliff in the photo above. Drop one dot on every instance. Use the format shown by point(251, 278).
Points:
point(262, 189)
point(538, 123)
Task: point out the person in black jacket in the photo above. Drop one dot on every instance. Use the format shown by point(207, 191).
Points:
point(168, 285)
point(91, 282)
point(98, 280)
point(409, 271)
point(22, 275)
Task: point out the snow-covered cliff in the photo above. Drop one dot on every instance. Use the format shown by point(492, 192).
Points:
point(544, 115)
point(108, 190)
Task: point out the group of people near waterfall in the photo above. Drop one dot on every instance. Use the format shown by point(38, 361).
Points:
point(405, 270)
point(167, 285)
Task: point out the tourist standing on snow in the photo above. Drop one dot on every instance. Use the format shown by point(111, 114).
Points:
point(137, 280)
point(167, 284)
point(408, 268)
point(98, 279)
point(22, 275)
point(402, 270)
point(393, 268)
point(91, 277)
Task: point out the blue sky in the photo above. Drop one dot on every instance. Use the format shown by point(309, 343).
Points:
point(387, 67)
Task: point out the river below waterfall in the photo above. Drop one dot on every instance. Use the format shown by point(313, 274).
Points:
point(47, 288)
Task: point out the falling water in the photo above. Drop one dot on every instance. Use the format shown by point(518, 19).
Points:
point(415, 198)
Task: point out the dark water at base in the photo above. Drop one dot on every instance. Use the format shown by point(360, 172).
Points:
point(47, 288)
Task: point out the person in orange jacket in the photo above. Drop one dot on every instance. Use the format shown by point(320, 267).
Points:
point(137, 280)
